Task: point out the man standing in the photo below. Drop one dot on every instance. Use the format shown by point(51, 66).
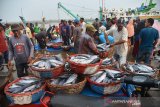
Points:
point(148, 40)
point(77, 32)
point(120, 35)
point(3, 47)
point(83, 25)
point(86, 44)
point(66, 33)
point(21, 49)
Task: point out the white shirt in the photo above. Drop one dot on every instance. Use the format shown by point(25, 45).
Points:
point(102, 29)
point(83, 25)
point(110, 31)
point(121, 49)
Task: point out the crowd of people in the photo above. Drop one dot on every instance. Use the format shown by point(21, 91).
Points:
point(17, 41)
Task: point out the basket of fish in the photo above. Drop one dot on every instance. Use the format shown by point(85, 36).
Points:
point(108, 63)
point(137, 68)
point(103, 49)
point(25, 90)
point(84, 63)
point(68, 83)
point(54, 45)
point(47, 66)
point(103, 81)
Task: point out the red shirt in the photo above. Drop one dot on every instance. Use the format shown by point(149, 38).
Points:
point(3, 43)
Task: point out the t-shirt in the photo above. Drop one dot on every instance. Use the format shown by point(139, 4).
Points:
point(36, 29)
point(87, 45)
point(148, 36)
point(20, 48)
point(103, 39)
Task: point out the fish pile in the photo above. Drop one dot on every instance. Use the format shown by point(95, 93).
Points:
point(85, 59)
point(103, 47)
point(108, 61)
point(48, 62)
point(65, 79)
point(26, 84)
point(139, 68)
point(105, 76)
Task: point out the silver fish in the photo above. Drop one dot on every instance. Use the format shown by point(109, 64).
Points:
point(71, 79)
point(101, 78)
point(41, 64)
point(56, 61)
point(36, 63)
point(62, 82)
point(30, 88)
point(48, 65)
point(55, 81)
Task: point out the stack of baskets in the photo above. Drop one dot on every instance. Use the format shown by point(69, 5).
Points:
point(46, 73)
point(24, 98)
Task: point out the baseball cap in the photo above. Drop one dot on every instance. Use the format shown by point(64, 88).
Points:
point(90, 27)
point(15, 27)
point(76, 21)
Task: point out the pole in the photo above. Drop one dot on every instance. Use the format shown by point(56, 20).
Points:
point(21, 12)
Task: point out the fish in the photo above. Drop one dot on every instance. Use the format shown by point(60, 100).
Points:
point(106, 76)
point(96, 60)
point(62, 82)
point(56, 62)
point(101, 78)
point(30, 88)
point(55, 81)
point(24, 88)
point(71, 79)
point(36, 63)
point(65, 75)
point(41, 64)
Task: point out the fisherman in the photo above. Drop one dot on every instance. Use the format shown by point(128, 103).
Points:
point(109, 33)
point(83, 25)
point(86, 43)
point(120, 35)
point(41, 38)
point(3, 47)
point(77, 32)
point(148, 40)
point(130, 28)
point(29, 33)
point(65, 30)
point(21, 49)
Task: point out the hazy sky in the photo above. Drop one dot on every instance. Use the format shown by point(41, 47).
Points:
point(34, 9)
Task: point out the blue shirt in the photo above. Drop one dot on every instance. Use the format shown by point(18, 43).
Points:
point(148, 36)
point(103, 40)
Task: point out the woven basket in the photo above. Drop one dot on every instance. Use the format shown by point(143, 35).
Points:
point(45, 73)
point(83, 68)
point(24, 98)
point(153, 76)
point(104, 88)
point(68, 89)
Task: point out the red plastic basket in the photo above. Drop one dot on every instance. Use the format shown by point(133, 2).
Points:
point(83, 68)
